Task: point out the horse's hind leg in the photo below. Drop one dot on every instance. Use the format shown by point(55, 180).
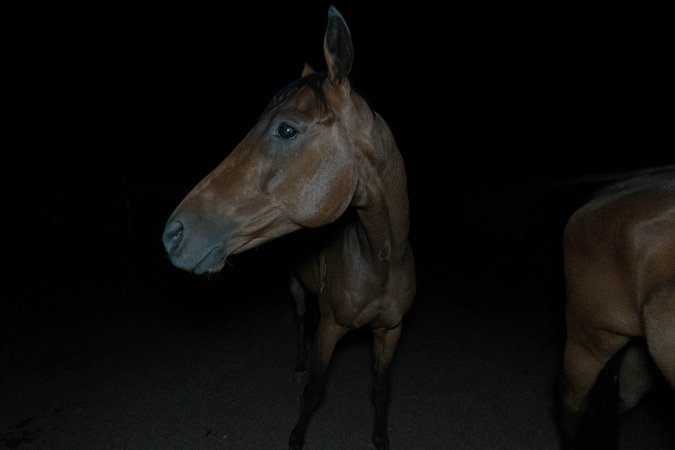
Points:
point(585, 356)
point(384, 345)
point(659, 320)
point(636, 375)
point(298, 293)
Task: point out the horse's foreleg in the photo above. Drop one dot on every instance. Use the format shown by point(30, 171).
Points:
point(298, 294)
point(384, 345)
point(327, 337)
point(584, 358)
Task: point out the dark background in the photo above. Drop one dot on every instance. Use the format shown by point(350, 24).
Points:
point(507, 118)
point(118, 111)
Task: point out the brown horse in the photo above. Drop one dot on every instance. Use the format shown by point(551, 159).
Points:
point(619, 260)
point(318, 155)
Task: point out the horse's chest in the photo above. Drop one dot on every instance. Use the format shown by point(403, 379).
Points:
point(356, 301)
point(355, 311)
point(356, 290)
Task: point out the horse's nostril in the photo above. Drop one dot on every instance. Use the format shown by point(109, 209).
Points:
point(173, 234)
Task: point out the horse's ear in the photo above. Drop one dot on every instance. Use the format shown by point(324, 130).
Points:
point(307, 70)
point(337, 47)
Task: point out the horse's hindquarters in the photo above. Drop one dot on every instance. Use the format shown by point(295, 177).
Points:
point(619, 251)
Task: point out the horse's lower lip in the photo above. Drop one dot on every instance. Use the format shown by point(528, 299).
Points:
point(212, 262)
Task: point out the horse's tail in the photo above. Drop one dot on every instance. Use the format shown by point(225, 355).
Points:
point(604, 407)
point(625, 380)
point(598, 429)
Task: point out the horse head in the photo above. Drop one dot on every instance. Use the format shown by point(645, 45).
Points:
point(294, 169)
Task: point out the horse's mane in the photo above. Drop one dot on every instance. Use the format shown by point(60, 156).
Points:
point(314, 81)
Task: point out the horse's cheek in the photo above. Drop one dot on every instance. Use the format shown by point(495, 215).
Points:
point(316, 201)
point(336, 196)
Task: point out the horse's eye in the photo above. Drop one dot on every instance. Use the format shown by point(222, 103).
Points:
point(285, 131)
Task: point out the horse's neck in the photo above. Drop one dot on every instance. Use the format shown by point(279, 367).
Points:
point(381, 199)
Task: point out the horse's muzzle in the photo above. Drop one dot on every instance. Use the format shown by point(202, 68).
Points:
point(173, 235)
point(198, 259)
